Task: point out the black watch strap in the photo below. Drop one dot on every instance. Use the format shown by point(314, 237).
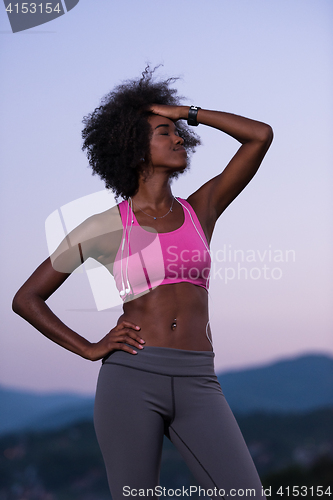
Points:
point(192, 116)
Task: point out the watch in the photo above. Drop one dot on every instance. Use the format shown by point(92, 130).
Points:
point(192, 116)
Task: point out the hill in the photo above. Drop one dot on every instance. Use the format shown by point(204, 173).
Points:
point(295, 385)
point(66, 464)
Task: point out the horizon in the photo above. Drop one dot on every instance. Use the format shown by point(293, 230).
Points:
point(218, 373)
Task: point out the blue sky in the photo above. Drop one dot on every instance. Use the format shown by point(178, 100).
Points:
point(268, 60)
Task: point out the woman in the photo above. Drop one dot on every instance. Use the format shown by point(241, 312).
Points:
point(157, 375)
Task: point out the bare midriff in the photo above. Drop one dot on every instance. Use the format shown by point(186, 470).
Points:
point(173, 316)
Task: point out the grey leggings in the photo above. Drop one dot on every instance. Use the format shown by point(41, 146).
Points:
point(174, 392)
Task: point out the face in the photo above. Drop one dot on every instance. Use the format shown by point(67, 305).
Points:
point(166, 146)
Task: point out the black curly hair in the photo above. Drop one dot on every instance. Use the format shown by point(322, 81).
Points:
point(117, 134)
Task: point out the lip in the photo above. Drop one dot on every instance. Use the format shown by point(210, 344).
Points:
point(181, 148)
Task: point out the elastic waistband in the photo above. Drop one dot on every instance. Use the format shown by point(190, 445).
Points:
point(166, 361)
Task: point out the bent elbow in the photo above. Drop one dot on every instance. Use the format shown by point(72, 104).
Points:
point(18, 303)
point(267, 134)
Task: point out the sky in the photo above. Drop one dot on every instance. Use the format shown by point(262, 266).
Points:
point(271, 287)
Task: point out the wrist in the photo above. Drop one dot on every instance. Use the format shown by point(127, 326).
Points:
point(183, 112)
point(86, 351)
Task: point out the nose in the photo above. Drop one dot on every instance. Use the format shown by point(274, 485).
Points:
point(179, 140)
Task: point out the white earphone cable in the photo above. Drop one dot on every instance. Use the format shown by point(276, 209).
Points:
point(123, 291)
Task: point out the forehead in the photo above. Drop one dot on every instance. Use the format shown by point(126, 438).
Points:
point(156, 121)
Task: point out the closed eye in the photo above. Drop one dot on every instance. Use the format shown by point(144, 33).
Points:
point(166, 130)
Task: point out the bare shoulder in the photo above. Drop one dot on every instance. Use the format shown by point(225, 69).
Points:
point(97, 237)
point(97, 225)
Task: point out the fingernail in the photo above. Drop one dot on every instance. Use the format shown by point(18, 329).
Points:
point(142, 341)
point(140, 346)
point(134, 352)
point(137, 327)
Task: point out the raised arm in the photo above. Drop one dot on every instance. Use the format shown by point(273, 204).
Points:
point(211, 199)
point(255, 138)
point(88, 240)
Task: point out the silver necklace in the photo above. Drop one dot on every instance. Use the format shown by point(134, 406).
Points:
point(152, 216)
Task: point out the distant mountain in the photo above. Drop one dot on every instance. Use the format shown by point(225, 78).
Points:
point(296, 385)
point(27, 410)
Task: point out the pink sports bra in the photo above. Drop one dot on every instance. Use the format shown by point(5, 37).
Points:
point(148, 259)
